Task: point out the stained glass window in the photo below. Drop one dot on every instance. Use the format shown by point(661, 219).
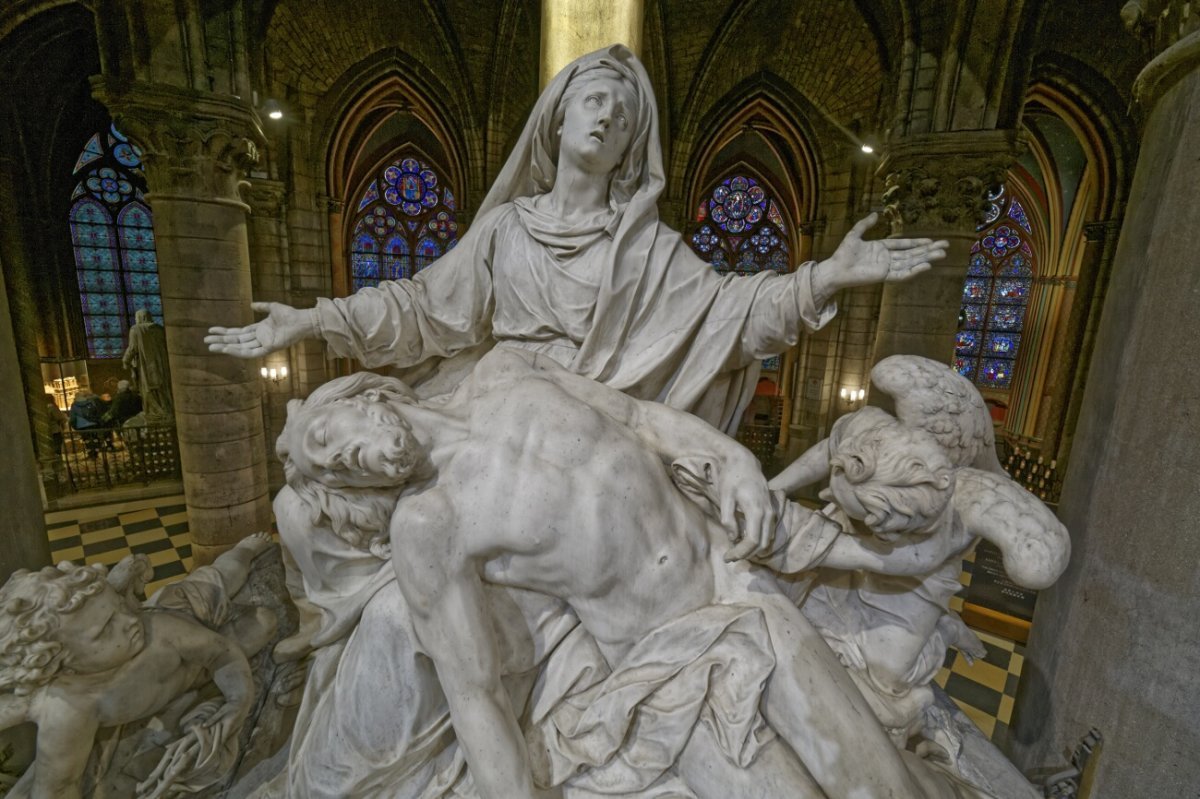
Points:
point(113, 238)
point(404, 222)
point(995, 296)
point(739, 228)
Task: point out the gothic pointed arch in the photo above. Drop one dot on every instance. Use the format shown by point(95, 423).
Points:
point(395, 174)
point(113, 238)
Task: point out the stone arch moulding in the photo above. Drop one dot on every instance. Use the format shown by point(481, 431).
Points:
point(788, 140)
point(352, 121)
point(1070, 260)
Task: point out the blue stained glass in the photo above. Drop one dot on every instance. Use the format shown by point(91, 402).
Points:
point(965, 367)
point(100, 258)
point(365, 243)
point(970, 317)
point(1002, 345)
point(771, 364)
point(91, 151)
point(976, 289)
point(364, 268)
point(995, 372)
point(79, 192)
point(141, 282)
point(128, 155)
point(135, 215)
point(102, 325)
point(720, 260)
point(140, 260)
point(966, 343)
point(396, 261)
point(703, 240)
point(137, 238)
point(427, 248)
point(93, 236)
point(1016, 266)
point(93, 281)
point(116, 134)
point(370, 195)
point(979, 266)
point(105, 347)
point(153, 304)
point(94, 304)
point(1008, 318)
point(778, 261)
point(89, 212)
point(1017, 214)
point(1012, 291)
point(448, 198)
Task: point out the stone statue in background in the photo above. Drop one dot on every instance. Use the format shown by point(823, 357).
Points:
point(146, 359)
point(79, 655)
point(567, 257)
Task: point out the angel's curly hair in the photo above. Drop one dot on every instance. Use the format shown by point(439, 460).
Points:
point(31, 603)
point(898, 473)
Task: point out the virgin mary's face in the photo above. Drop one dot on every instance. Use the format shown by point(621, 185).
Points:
point(598, 124)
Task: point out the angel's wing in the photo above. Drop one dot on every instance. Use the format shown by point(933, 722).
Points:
point(935, 398)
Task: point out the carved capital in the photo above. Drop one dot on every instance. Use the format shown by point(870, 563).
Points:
point(195, 145)
point(943, 181)
point(267, 198)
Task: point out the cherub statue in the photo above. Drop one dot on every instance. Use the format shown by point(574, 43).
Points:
point(78, 654)
point(911, 507)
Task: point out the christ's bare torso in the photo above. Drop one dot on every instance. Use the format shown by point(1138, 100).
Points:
point(549, 494)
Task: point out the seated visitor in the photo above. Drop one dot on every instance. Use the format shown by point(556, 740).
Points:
point(77, 656)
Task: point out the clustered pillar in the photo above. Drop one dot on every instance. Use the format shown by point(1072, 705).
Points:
point(936, 186)
point(196, 148)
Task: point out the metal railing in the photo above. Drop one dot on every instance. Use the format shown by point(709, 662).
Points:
point(108, 457)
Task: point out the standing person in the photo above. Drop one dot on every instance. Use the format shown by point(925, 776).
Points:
point(568, 258)
point(146, 359)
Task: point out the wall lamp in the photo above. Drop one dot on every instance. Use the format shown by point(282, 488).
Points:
point(853, 395)
point(273, 374)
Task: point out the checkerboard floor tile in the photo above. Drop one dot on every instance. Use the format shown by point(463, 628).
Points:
point(158, 528)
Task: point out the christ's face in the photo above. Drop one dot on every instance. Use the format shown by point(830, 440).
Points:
point(598, 124)
point(361, 449)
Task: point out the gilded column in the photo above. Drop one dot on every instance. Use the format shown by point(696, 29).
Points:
point(196, 147)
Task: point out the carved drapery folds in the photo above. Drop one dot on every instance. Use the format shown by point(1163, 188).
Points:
point(943, 181)
point(197, 145)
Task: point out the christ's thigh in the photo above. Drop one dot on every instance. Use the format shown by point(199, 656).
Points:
point(775, 772)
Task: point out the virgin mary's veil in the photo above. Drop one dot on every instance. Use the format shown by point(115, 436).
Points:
point(533, 164)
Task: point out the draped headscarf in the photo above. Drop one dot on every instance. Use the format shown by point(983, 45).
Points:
point(665, 327)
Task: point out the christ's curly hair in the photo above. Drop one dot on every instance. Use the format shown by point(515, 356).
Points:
point(31, 603)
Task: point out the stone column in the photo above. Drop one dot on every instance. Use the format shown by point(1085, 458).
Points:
point(936, 186)
point(196, 147)
point(571, 28)
point(22, 525)
point(1059, 410)
point(1116, 643)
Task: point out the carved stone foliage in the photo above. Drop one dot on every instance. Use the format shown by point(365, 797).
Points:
point(944, 181)
point(196, 144)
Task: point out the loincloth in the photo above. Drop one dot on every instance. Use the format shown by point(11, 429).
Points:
point(620, 732)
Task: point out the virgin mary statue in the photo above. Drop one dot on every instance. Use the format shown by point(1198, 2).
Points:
point(568, 257)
